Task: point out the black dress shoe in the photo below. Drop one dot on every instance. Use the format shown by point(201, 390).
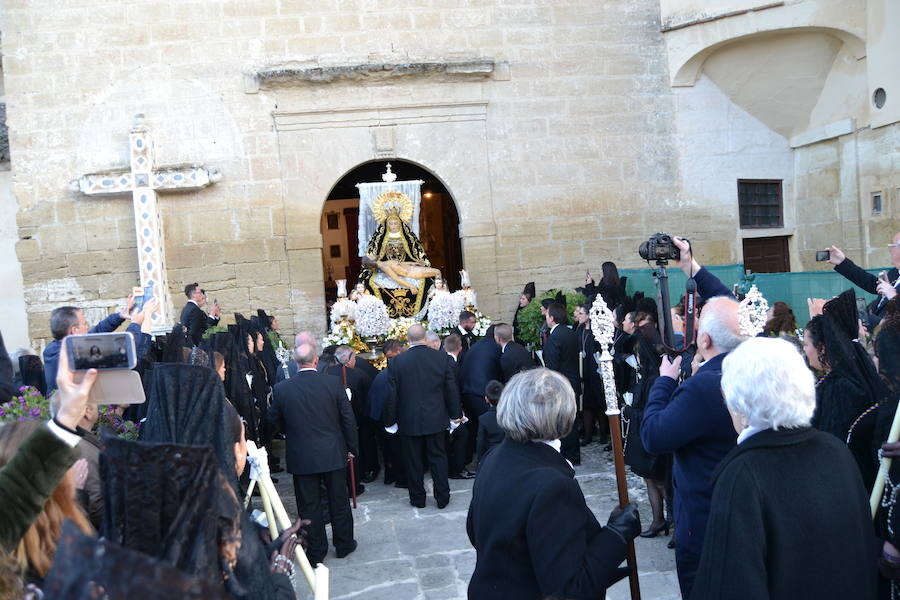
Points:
point(671, 544)
point(418, 504)
point(585, 442)
point(360, 489)
point(463, 475)
point(401, 484)
point(443, 504)
point(389, 480)
point(343, 553)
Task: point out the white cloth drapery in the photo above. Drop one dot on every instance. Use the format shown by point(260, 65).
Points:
point(367, 194)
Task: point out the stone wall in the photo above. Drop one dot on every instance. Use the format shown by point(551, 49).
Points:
point(551, 124)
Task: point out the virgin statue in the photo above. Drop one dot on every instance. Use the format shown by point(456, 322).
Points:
point(395, 268)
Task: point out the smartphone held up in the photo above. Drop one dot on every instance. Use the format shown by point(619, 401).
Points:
point(823, 255)
point(114, 356)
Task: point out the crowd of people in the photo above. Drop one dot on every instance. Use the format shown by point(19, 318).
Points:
point(760, 452)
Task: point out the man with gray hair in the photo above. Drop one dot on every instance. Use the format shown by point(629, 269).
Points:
point(690, 420)
point(304, 337)
point(423, 399)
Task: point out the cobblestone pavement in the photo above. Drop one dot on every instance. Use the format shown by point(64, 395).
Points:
point(406, 553)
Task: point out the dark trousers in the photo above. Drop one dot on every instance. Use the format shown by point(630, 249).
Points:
point(474, 406)
point(457, 447)
point(307, 491)
point(686, 563)
point(394, 465)
point(368, 446)
point(571, 448)
point(432, 446)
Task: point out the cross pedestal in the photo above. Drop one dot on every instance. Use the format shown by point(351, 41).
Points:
point(143, 182)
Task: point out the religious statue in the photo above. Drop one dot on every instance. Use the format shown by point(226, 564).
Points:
point(395, 268)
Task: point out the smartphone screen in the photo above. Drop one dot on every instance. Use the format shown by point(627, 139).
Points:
point(823, 255)
point(138, 295)
point(101, 351)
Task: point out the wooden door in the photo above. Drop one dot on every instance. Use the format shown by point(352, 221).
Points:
point(767, 255)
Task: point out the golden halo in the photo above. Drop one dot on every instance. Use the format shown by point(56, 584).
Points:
point(392, 203)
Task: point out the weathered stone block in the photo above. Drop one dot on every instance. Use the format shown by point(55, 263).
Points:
point(257, 274)
point(98, 262)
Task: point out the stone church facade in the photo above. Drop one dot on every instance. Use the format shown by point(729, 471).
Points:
point(565, 131)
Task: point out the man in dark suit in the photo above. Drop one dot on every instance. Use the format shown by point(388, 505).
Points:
point(467, 322)
point(423, 400)
point(192, 316)
point(394, 467)
point(346, 368)
point(513, 356)
point(885, 289)
point(561, 355)
point(480, 365)
point(320, 432)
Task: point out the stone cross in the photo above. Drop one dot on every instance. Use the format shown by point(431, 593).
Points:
point(143, 182)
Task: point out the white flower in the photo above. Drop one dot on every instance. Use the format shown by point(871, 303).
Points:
point(398, 328)
point(482, 323)
point(340, 335)
point(443, 311)
point(343, 309)
point(371, 317)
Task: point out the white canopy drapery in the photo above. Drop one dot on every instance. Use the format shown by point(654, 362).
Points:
point(367, 194)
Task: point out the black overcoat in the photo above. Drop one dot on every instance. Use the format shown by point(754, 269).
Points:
point(789, 520)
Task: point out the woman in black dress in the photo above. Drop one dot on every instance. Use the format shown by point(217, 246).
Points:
point(647, 350)
point(593, 400)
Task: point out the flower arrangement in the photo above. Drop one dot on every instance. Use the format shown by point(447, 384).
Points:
point(481, 324)
point(530, 317)
point(443, 311)
point(371, 317)
point(344, 334)
point(111, 421)
point(398, 327)
point(341, 334)
point(29, 405)
point(343, 310)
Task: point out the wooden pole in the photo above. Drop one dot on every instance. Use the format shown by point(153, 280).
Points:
point(603, 328)
point(615, 431)
point(885, 467)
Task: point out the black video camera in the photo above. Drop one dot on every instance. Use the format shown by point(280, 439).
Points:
point(660, 248)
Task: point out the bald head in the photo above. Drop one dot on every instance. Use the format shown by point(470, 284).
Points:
point(306, 356)
point(415, 334)
point(895, 251)
point(719, 329)
point(433, 340)
point(304, 337)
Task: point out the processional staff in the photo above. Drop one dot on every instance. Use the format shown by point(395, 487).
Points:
point(603, 328)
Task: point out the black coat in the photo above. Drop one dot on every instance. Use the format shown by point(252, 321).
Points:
point(591, 381)
point(359, 384)
point(542, 540)
point(318, 424)
point(561, 355)
point(860, 277)
point(789, 519)
point(514, 359)
point(468, 340)
point(196, 321)
point(424, 396)
point(480, 365)
point(489, 433)
point(7, 389)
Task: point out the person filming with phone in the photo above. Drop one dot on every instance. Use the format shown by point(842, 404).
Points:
point(885, 285)
point(195, 320)
point(69, 320)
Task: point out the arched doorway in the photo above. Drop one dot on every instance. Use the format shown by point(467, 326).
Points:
point(438, 224)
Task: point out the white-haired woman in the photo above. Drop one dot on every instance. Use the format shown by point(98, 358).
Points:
point(533, 533)
point(789, 517)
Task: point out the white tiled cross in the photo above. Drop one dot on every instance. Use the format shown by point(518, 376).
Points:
point(143, 182)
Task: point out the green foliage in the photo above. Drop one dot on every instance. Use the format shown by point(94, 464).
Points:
point(530, 317)
point(215, 329)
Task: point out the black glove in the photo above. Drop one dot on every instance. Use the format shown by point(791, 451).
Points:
point(625, 522)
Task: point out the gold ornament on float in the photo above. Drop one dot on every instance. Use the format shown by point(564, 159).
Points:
point(392, 204)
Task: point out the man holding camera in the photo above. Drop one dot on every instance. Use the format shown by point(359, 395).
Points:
point(192, 316)
point(690, 420)
point(885, 287)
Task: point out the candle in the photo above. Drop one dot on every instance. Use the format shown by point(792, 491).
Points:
point(341, 288)
point(464, 278)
